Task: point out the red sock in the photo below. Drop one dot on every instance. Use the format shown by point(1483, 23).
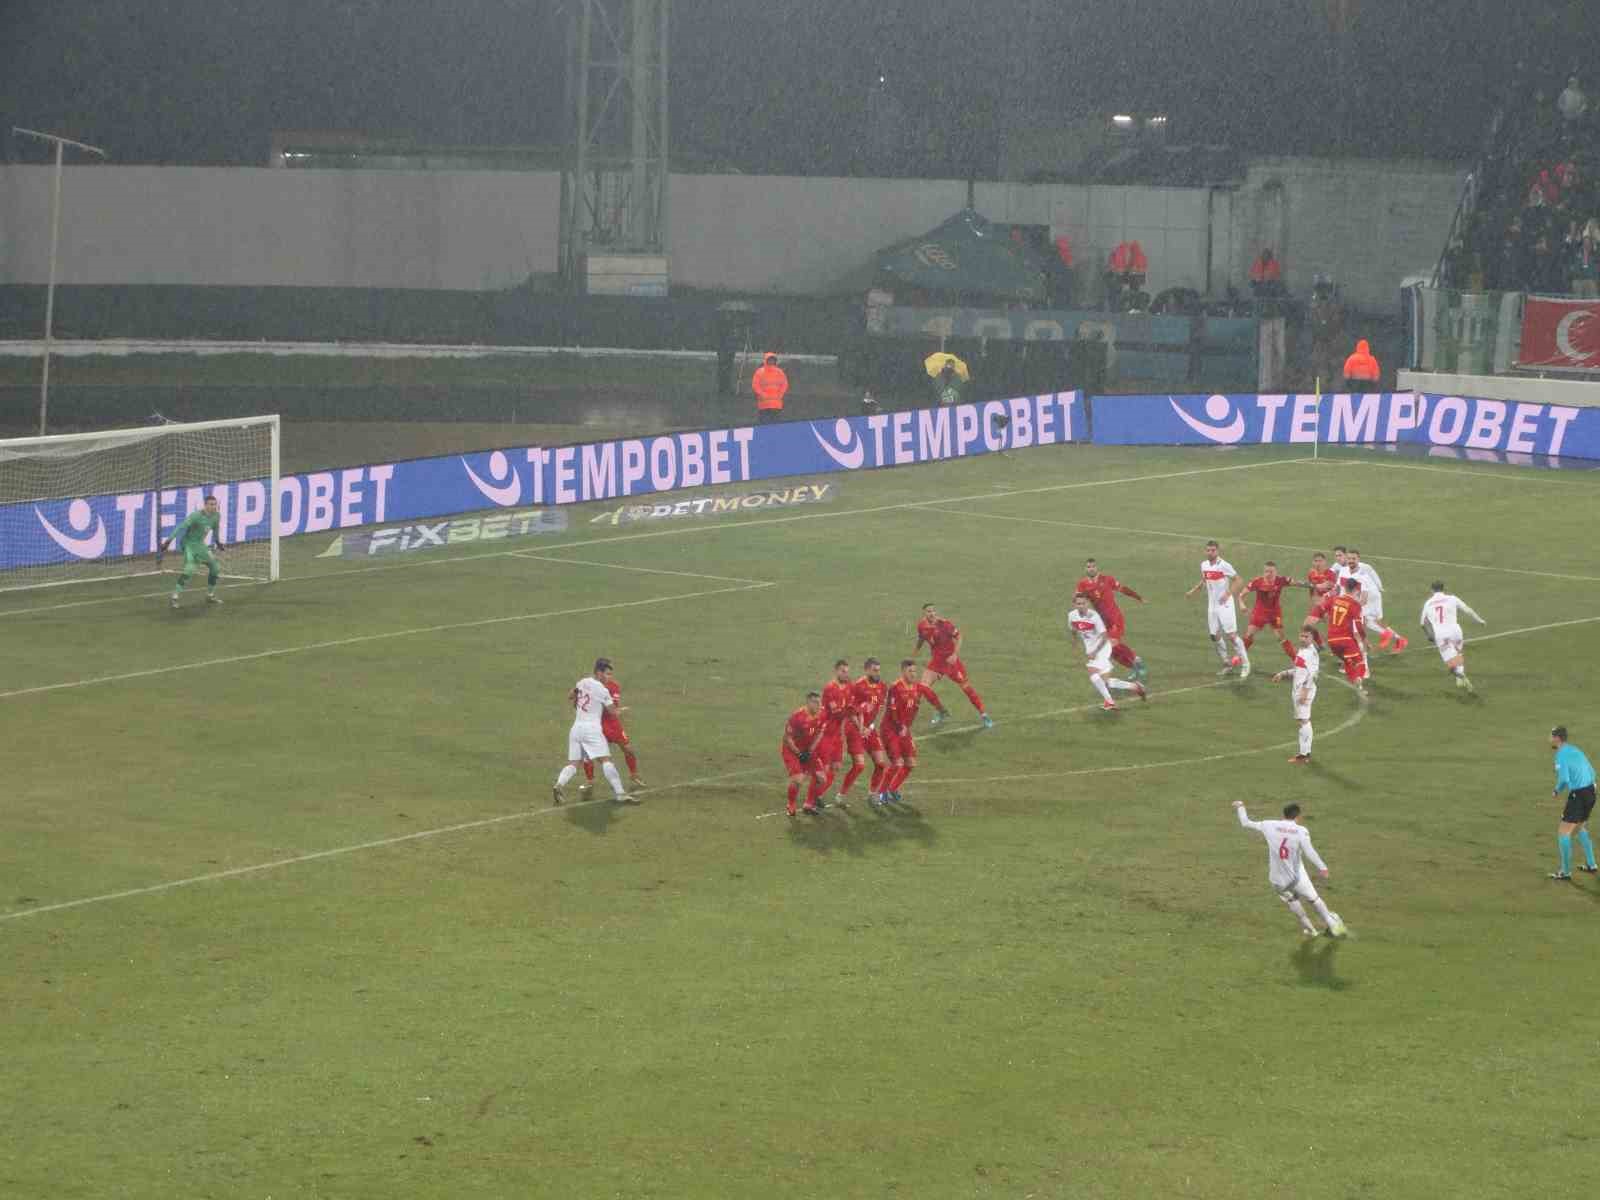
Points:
point(850, 777)
point(588, 770)
point(899, 778)
point(1123, 654)
point(818, 783)
point(1288, 648)
point(977, 700)
point(632, 760)
point(1249, 640)
point(794, 790)
point(875, 784)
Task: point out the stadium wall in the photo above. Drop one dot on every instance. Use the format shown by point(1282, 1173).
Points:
point(1572, 392)
point(1366, 224)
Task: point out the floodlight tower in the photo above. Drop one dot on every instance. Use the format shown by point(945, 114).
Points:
point(614, 179)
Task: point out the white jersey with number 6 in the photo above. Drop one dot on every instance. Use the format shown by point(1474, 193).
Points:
point(1288, 849)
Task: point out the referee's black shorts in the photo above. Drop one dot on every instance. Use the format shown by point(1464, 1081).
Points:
point(1580, 803)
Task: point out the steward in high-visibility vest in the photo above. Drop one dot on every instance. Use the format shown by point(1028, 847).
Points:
point(1361, 367)
point(770, 385)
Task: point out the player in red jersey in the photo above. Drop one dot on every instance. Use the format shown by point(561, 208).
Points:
point(801, 734)
point(1269, 587)
point(861, 735)
point(1347, 635)
point(612, 730)
point(1320, 581)
point(1102, 590)
point(838, 707)
point(905, 697)
point(944, 639)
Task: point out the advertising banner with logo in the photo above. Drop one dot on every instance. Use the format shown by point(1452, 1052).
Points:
point(1551, 430)
point(59, 530)
point(1560, 335)
point(1467, 333)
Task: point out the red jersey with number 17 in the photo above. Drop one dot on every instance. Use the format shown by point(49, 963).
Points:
point(1344, 617)
point(1269, 593)
point(941, 635)
point(904, 700)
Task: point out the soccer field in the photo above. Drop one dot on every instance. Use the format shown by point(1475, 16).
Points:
point(289, 912)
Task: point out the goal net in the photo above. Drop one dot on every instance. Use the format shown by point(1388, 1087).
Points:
point(89, 507)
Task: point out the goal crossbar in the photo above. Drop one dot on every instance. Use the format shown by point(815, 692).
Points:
point(94, 507)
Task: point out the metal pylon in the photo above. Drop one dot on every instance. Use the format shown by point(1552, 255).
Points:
point(614, 180)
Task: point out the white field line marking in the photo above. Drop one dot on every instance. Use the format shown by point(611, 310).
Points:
point(703, 782)
point(371, 637)
point(584, 562)
point(723, 527)
point(336, 852)
point(1516, 475)
point(938, 506)
point(1489, 637)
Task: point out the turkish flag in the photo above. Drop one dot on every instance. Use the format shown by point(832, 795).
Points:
point(1560, 335)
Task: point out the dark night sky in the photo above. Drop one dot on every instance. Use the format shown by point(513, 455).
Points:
point(207, 81)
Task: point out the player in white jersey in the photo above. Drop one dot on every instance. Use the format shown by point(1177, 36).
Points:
point(1441, 617)
point(1303, 690)
point(590, 698)
point(1288, 849)
point(1090, 626)
point(1223, 588)
point(1372, 601)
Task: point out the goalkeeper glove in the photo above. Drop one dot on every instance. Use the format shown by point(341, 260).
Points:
point(804, 756)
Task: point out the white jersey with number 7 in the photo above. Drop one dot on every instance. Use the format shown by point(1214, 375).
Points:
point(1288, 849)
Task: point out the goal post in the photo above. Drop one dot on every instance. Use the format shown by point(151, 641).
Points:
point(93, 507)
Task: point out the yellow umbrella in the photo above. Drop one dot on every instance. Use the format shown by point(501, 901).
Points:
point(935, 362)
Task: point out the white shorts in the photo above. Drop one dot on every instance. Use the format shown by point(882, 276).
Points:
point(1302, 712)
point(1372, 607)
point(585, 742)
point(1101, 661)
point(1222, 618)
point(1448, 641)
point(1300, 889)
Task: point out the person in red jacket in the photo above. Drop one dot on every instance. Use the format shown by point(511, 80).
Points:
point(770, 385)
point(1266, 275)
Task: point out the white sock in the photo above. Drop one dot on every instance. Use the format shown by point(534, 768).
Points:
point(1321, 906)
point(1100, 686)
point(1121, 685)
point(1461, 670)
point(567, 772)
point(1299, 912)
point(609, 769)
point(1222, 650)
point(1305, 738)
point(1244, 655)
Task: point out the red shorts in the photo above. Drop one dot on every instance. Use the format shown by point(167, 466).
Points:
point(1116, 624)
point(793, 766)
point(952, 669)
point(1355, 658)
point(863, 743)
point(1261, 618)
point(900, 745)
point(611, 729)
point(830, 750)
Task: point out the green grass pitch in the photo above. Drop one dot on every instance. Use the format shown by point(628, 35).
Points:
point(287, 912)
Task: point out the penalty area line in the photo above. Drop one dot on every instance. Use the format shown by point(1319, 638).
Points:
point(371, 637)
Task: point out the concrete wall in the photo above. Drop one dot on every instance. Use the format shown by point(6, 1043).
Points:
point(1366, 224)
point(469, 230)
point(1578, 393)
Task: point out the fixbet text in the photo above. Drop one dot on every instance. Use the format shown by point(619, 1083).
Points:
point(404, 539)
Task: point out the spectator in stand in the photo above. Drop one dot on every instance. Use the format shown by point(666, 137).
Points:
point(1327, 330)
point(1583, 262)
point(1266, 276)
point(1548, 274)
point(1511, 266)
point(1361, 372)
point(1062, 274)
point(1573, 106)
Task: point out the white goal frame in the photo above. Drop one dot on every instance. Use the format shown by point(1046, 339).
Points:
point(28, 445)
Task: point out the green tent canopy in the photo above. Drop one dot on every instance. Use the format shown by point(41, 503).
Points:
point(966, 256)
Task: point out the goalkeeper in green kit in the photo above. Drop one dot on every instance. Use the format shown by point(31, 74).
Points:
point(191, 538)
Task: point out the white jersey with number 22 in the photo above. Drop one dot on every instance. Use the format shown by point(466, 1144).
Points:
point(591, 702)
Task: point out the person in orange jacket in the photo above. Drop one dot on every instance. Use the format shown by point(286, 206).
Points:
point(770, 385)
point(1266, 275)
point(1361, 372)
